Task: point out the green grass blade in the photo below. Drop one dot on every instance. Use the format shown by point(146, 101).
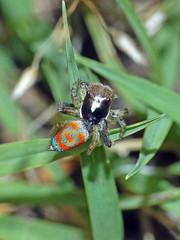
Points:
point(159, 198)
point(102, 196)
point(20, 156)
point(102, 41)
point(17, 228)
point(140, 31)
point(59, 175)
point(41, 194)
point(171, 58)
point(155, 134)
point(72, 67)
point(153, 95)
point(152, 141)
point(8, 109)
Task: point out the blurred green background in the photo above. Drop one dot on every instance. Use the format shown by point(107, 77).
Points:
point(141, 41)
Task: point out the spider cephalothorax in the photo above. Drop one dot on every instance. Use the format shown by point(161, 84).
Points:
point(97, 102)
point(91, 104)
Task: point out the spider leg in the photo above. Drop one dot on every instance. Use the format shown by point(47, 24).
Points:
point(104, 132)
point(78, 92)
point(122, 124)
point(116, 116)
point(67, 108)
point(95, 141)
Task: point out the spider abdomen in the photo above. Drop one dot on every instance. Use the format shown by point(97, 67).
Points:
point(72, 135)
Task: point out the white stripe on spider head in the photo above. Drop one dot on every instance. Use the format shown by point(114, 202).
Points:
point(96, 103)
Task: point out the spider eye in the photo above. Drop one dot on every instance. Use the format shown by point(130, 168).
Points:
point(108, 100)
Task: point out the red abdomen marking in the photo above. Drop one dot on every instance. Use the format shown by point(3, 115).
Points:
point(74, 134)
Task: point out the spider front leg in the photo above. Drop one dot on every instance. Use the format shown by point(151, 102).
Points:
point(95, 141)
point(68, 108)
point(78, 92)
point(104, 132)
point(116, 116)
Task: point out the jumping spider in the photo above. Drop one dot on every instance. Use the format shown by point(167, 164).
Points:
point(91, 104)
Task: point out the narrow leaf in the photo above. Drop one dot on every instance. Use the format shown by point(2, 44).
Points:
point(140, 31)
point(41, 194)
point(72, 67)
point(102, 197)
point(152, 141)
point(155, 134)
point(102, 41)
point(8, 109)
point(17, 228)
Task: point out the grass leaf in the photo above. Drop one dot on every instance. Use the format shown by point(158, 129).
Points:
point(155, 134)
point(72, 67)
point(17, 228)
point(41, 194)
point(105, 215)
point(152, 141)
point(140, 31)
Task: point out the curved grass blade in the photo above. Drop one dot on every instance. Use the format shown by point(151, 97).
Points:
point(20, 156)
point(17, 228)
point(152, 141)
point(140, 31)
point(155, 134)
point(72, 67)
point(102, 197)
point(102, 41)
point(151, 94)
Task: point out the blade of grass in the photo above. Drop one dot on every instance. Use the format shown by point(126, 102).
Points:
point(59, 88)
point(102, 41)
point(8, 109)
point(158, 198)
point(155, 134)
point(152, 141)
point(140, 31)
point(59, 175)
point(17, 228)
point(153, 95)
point(105, 215)
point(72, 67)
point(41, 194)
point(20, 156)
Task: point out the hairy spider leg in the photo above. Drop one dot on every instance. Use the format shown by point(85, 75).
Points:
point(68, 108)
point(95, 141)
point(78, 92)
point(104, 132)
point(116, 116)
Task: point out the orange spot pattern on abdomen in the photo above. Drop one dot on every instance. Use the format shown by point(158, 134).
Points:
point(72, 129)
point(69, 137)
